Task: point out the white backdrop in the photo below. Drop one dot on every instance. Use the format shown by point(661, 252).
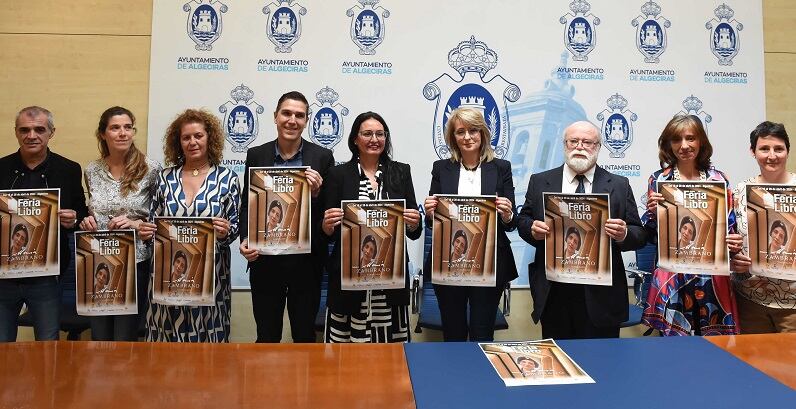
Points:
point(533, 66)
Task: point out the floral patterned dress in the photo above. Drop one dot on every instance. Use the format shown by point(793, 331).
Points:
point(689, 304)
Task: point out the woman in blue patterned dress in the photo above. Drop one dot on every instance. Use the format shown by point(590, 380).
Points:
point(197, 186)
point(688, 304)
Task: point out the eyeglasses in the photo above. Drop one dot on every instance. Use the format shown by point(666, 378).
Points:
point(116, 129)
point(461, 132)
point(369, 134)
point(573, 143)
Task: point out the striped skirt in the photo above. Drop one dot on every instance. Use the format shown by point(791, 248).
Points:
point(376, 322)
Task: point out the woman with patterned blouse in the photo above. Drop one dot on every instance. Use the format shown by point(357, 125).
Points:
point(197, 186)
point(764, 304)
point(678, 303)
point(120, 188)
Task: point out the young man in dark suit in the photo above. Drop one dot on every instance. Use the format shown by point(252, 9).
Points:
point(293, 279)
point(578, 310)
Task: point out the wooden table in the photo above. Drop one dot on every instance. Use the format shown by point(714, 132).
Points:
point(119, 375)
point(772, 354)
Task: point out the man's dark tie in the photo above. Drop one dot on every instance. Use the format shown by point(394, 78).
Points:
point(581, 188)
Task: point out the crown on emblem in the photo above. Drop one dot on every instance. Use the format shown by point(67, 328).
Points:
point(471, 101)
point(651, 8)
point(723, 12)
point(368, 18)
point(472, 56)
point(284, 16)
point(368, 2)
point(616, 102)
point(326, 116)
point(241, 93)
point(580, 26)
point(204, 13)
point(692, 104)
point(240, 114)
point(327, 95)
point(580, 6)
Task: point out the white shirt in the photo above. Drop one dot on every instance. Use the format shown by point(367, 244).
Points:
point(569, 183)
point(469, 181)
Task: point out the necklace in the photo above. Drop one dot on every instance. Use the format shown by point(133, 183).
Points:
point(473, 169)
point(195, 171)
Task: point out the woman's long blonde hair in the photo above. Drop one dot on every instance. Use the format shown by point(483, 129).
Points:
point(135, 166)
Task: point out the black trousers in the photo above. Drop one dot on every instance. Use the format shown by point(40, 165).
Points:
point(565, 315)
point(456, 324)
point(125, 327)
point(282, 282)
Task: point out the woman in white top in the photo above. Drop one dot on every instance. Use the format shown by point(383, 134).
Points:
point(764, 304)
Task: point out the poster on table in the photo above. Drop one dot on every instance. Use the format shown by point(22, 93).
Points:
point(464, 241)
point(578, 250)
point(184, 254)
point(373, 244)
point(540, 362)
point(692, 227)
point(279, 210)
point(771, 216)
point(29, 233)
point(105, 270)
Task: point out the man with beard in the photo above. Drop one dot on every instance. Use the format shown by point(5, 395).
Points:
point(569, 311)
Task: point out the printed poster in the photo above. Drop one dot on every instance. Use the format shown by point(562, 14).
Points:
point(184, 254)
point(771, 214)
point(279, 210)
point(692, 227)
point(464, 243)
point(29, 233)
point(578, 250)
point(540, 362)
point(373, 238)
point(105, 270)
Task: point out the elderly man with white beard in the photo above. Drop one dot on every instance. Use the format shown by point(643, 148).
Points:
point(573, 311)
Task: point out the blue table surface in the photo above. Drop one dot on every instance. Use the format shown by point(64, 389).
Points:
point(639, 373)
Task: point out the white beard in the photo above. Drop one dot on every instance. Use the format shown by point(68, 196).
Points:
point(581, 165)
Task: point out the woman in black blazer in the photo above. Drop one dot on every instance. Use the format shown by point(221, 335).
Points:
point(377, 315)
point(473, 170)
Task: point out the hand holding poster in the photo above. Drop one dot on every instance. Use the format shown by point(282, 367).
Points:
point(184, 253)
point(464, 241)
point(540, 362)
point(373, 245)
point(578, 250)
point(106, 272)
point(29, 233)
point(771, 215)
point(279, 210)
point(692, 227)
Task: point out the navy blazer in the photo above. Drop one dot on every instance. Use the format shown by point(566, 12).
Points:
point(606, 305)
point(343, 184)
point(495, 180)
point(317, 158)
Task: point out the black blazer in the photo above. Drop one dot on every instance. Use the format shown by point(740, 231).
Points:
point(57, 172)
point(343, 184)
point(495, 179)
point(317, 158)
point(607, 306)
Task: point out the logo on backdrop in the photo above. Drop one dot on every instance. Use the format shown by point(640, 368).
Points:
point(241, 118)
point(580, 36)
point(283, 21)
point(725, 39)
point(367, 25)
point(693, 106)
point(472, 59)
point(617, 125)
point(204, 22)
point(326, 128)
point(651, 32)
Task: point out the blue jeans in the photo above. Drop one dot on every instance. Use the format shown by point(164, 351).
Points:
point(43, 298)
